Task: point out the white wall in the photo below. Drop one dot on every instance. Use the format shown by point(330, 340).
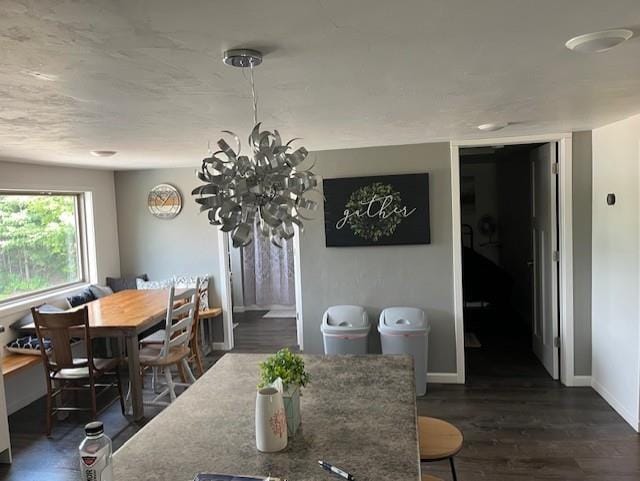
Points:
point(28, 386)
point(615, 266)
point(377, 277)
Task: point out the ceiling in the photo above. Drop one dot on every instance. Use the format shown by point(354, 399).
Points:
point(146, 78)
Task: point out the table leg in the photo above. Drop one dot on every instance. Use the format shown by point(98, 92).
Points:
point(134, 376)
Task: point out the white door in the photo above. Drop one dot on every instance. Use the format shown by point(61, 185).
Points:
point(545, 267)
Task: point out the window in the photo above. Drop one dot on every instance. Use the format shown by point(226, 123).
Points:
point(41, 243)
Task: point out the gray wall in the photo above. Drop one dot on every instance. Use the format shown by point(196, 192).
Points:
point(186, 244)
point(372, 276)
point(377, 277)
point(582, 191)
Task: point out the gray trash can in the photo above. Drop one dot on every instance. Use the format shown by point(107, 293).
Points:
point(345, 330)
point(405, 330)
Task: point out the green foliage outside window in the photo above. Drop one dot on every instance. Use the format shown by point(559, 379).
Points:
point(38, 243)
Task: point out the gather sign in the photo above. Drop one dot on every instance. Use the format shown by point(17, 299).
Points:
point(377, 210)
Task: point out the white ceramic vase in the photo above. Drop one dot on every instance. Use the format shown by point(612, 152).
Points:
point(271, 421)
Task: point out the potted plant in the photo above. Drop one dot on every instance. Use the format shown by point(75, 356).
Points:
point(289, 368)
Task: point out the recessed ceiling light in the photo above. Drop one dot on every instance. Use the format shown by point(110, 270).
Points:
point(597, 42)
point(493, 126)
point(103, 153)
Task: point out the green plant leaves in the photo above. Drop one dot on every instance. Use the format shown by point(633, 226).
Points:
point(284, 365)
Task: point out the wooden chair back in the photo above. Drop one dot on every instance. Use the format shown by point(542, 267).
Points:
point(202, 291)
point(179, 321)
point(57, 326)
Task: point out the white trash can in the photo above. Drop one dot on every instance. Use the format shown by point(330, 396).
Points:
point(345, 330)
point(405, 330)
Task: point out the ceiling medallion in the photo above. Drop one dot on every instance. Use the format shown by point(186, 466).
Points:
point(266, 187)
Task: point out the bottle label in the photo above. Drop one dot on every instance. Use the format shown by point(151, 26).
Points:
point(98, 467)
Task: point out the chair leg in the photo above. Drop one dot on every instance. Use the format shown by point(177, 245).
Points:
point(198, 360)
point(94, 404)
point(169, 378)
point(154, 379)
point(453, 469)
point(187, 370)
point(119, 381)
point(181, 371)
point(49, 408)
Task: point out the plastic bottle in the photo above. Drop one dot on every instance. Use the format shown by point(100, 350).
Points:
point(95, 454)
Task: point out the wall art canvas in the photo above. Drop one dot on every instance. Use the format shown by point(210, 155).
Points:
point(377, 210)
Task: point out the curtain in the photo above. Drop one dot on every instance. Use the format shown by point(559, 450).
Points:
point(268, 272)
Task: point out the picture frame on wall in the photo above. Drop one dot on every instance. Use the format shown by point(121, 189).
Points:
point(377, 210)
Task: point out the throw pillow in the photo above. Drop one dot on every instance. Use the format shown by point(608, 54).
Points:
point(100, 291)
point(28, 345)
point(164, 284)
point(122, 283)
point(189, 282)
point(82, 298)
point(28, 318)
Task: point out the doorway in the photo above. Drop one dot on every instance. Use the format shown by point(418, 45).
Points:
point(509, 254)
point(263, 295)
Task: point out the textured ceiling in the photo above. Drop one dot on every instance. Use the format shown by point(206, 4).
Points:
point(145, 78)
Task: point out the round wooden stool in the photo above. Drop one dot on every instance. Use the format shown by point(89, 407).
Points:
point(439, 440)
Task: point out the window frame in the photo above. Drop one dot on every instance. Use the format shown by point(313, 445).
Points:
point(80, 201)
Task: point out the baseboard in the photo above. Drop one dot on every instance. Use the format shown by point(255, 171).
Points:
point(442, 377)
point(615, 404)
point(581, 381)
point(218, 346)
point(239, 309)
point(264, 308)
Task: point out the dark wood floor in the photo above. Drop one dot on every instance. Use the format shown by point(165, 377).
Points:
point(519, 424)
point(519, 430)
point(255, 334)
point(517, 427)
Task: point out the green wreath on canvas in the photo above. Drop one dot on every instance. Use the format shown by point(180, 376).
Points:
point(374, 228)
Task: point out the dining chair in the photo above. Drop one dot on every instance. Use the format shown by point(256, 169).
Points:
point(174, 349)
point(195, 356)
point(64, 372)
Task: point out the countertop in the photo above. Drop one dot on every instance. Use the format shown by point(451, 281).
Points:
point(358, 413)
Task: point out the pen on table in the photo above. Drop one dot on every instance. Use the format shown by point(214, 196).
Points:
point(335, 470)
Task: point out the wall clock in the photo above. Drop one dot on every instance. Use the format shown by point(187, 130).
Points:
point(164, 201)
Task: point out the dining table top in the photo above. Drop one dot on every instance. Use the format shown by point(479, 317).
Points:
point(358, 413)
point(127, 310)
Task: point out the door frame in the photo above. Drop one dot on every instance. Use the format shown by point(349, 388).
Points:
point(565, 220)
point(226, 300)
point(226, 292)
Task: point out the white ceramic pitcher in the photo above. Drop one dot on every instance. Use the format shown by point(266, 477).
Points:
point(271, 420)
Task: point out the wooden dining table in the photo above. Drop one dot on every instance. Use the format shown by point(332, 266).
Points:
point(126, 314)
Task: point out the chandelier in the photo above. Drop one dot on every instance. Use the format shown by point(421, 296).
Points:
point(266, 188)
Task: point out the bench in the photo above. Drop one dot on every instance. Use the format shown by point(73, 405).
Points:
point(14, 363)
point(210, 313)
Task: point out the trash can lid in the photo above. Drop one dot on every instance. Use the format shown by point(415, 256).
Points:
point(403, 320)
point(345, 319)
